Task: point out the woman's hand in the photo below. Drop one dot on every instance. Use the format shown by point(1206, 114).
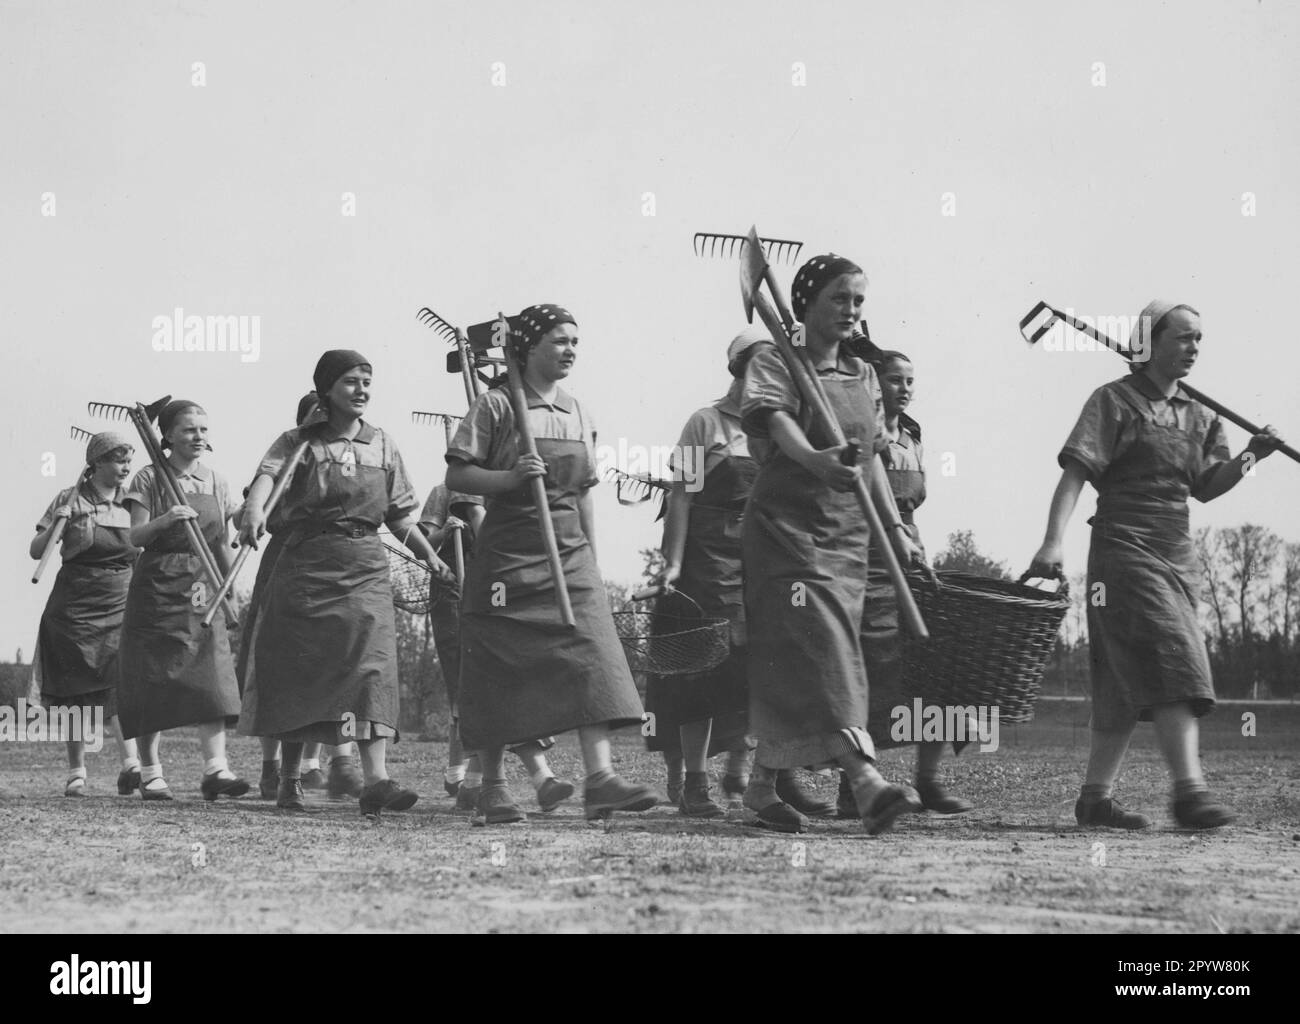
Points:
point(454, 523)
point(1265, 443)
point(177, 514)
point(62, 512)
point(910, 555)
point(442, 571)
point(1048, 563)
point(828, 468)
point(252, 528)
point(527, 467)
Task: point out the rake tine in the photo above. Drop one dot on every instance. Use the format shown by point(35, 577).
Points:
point(726, 246)
point(439, 326)
point(108, 410)
point(78, 434)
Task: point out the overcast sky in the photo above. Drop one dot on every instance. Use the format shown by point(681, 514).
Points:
point(500, 154)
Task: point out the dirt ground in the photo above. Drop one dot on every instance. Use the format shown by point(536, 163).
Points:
point(1018, 863)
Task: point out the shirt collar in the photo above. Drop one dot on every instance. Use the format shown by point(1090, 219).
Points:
point(728, 405)
point(563, 400)
point(364, 436)
point(198, 471)
point(1139, 382)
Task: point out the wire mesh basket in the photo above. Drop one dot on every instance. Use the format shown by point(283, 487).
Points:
point(989, 642)
point(667, 644)
point(411, 580)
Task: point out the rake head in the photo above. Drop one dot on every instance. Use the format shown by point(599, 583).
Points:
point(1047, 323)
point(635, 488)
point(440, 326)
point(429, 418)
point(78, 434)
point(113, 411)
point(712, 244)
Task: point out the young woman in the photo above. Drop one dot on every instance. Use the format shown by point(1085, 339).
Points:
point(805, 543)
point(323, 662)
point(523, 675)
point(881, 643)
point(176, 672)
point(76, 649)
point(703, 713)
point(444, 512)
point(1145, 446)
point(344, 776)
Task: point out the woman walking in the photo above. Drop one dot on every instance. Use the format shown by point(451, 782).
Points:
point(323, 661)
point(76, 662)
point(805, 543)
point(176, 672)
point(1145, 446)
point(523, 675)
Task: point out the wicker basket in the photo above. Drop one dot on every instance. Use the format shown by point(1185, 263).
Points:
point(989, 642)
point(411, 580)
point(673, 645)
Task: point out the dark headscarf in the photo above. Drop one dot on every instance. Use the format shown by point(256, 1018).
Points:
point(167, 418)
point(333, 365)
point(533, 323)
point(815, 275)
point(306, 403)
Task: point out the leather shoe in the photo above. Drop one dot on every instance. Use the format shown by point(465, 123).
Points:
point(792, 793)
point(495, 806)
point(933, 798)
point(386, 795)
point(1108, 814)
point(1198, 810)
point(289, 795)
point(213, 786)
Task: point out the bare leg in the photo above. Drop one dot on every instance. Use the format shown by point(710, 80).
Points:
point(695, 744)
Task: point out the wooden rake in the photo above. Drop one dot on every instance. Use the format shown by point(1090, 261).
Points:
point(141, 418)
point(448, 422)
point(781, 250)
point(1045, 317)
point(78, 434)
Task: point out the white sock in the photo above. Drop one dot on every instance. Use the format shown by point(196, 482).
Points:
point(454, 773)
point(473, 780)
point(129, 763)
point(77, 773)
point(540, 776)
point(217, 766)
point(311, 764)
point(150, 774)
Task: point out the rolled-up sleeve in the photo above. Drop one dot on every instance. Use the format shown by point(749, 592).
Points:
point(479, 429)
point(277, 456)
point(434, 513)
point(142, 491)
point(768, 389)
point(61, 498)
point(1093, 441)
point(402, 501)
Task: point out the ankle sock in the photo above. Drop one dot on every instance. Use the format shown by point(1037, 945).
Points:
point(217, 766)
point(77, 773)
point(473, 780)
point(1094, 792)
point(540, 776)
point(130, 764)
point(151, 777)
point(599, 777)
point(454, 772)
point(310, 764)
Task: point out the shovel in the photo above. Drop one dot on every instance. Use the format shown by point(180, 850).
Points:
point(754, 272)
point(1054, 316)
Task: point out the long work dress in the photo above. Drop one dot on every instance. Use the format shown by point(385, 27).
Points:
point(76, 660)
point(1145, 455)
point(176, 672)
point(271, 548)
point(881, 639)
point(523, 675)
point(322, 663)
point(712, 442)
point(805, 562)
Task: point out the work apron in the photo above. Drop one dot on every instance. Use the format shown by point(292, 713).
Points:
point(1145, 637)
point(271, 548)
point(444, 617)
point(76, 659)
point(711, 576)
point(805, 561)
point(323, 661)
point(882, 643)
point(174, 671)
point(523, 675)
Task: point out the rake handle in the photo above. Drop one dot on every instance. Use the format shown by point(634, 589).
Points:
point(538, 486)
point(282, 482)
point(810, 387)
point(50, 545)
point(459, 546)
point(1193, 393)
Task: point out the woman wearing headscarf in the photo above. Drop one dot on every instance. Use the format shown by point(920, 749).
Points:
point(1146, 446)
point(76, 662)
point(175, 671)
point(702, 713)
point(323, 655)
point(805, 545)
point(344, 776)
point(881, 640)
point(523, 675)
point(444, 513)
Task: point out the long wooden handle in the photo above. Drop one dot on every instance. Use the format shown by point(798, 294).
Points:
point(272, 500)
point(467, 371)
point(50, 545)
point(811, 390)
point(459, 546)
point(1193, 393)
point(528, 446)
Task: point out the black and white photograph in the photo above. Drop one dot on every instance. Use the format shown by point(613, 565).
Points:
point(716, 468)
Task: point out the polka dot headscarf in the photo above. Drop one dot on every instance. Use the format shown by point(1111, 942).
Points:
point(535, 321)
point(815, 275)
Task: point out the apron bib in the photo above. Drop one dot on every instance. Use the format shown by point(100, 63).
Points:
point(805, 556)
point(523, 675)
point(174, 671)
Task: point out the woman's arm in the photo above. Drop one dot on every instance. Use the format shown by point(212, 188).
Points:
point(469, 479)
point(42, 539)
point(909, 552)
point(253, 525)
point(1226, 475)
point(677, 517)
point(1048, 562)
point(408, 531)
point(824, 464)
point(144, 529)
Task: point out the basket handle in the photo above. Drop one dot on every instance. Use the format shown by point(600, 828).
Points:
point(659, 590)
point(1063, 589)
